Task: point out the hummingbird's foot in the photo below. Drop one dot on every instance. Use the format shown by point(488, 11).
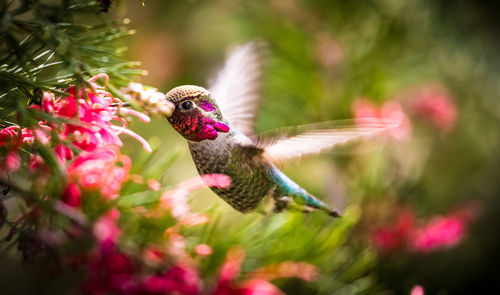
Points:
point(334, 213)
point(280, 204)
point(6, 191)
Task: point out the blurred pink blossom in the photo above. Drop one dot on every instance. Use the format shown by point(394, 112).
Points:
point(179, 279)
point(435, 103)
point(258, 280)
point(176, 200)
point(72, 195)
point(110, 272)
point(153, 256)
point(365, 112)
point(63, 153)
point(230, 270)
point(203, 250)
point(417, 290)
point(212, 180)
point(11, 137)
point(258, 287)
point(36, 163)
point(153, 184)
point(231, 267)
point(440, 232)
point(426, 236)
point(393, 237)
point(99, 170)
point(12, 161)
point(105, 228)
point(176, 245)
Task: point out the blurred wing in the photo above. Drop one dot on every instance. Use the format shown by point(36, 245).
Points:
point(313, 139)
point(236, 87)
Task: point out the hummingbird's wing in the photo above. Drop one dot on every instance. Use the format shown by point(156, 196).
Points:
point(236, 86)
point(295, 142)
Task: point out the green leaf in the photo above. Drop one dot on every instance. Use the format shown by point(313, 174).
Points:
point(140, 198)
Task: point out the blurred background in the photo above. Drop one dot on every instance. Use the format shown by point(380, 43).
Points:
point(421, 204)
point(433, 62)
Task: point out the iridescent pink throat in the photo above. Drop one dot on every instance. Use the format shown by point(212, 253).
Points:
point(196, 127)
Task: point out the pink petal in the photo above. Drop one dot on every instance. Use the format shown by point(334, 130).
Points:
point(260, 287)
point(417, 290)
point(13, 161)
point(217, 180)
point(105, 228)
point(72, 195)
point(203, 250)
point(153, 184)
point(145, 144)
point(101, 75)
point(144, 118)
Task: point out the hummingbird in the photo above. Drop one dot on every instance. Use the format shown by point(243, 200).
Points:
point(219, 125)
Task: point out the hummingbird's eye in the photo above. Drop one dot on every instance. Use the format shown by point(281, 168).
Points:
point(187, 105)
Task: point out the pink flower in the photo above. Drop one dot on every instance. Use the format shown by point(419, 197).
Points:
point(258, 281)
point(366, 113)
point(258, 287)
point(179, 279)
point(153, 184)
point(63, 153)
point(231, 267)
point(111, 272)
point(196, 183)
point(72, 195)
point(440, 232)
point(153, 256)
point(94, 110)
point(176, 244)
point(176, 200)
point(105, 228)
point(435, 104)
point(88, 115)
point(36, 163)
point(203, 250)
point(12, 161)
point(98, 170)
point(394, 237)
point(216, 180)
point(10, 137)
point(417, 290)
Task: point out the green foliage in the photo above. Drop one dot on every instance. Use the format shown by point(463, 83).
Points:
point(51, 45)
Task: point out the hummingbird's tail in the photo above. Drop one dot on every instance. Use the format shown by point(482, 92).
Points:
point(313, 203)
point(287, 190)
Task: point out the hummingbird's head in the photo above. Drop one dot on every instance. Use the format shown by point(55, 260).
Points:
point(196, 115)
